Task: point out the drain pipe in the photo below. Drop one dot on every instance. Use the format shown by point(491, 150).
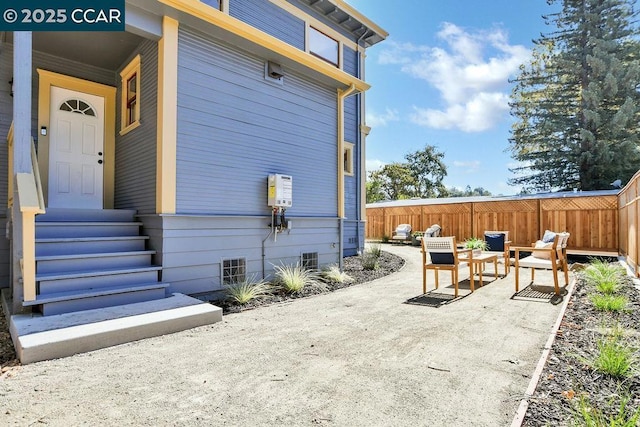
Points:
point(360, 140)
point(342, 94)
point(264, 254)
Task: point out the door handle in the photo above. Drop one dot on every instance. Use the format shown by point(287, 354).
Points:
point(100, 161)
point(99, 153)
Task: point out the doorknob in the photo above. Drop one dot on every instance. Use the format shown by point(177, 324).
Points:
point(99, 153)
point(100, 161)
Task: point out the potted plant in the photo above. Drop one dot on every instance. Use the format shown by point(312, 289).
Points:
point(477, 245)
point(416, 238)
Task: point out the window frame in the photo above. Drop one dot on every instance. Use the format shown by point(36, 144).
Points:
point(338, 63)
point(347, 158)
point(132, 70)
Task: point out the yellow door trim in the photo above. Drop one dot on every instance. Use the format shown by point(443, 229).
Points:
point(48, 79)
point(167, 117)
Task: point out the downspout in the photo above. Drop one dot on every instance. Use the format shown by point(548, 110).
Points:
point(359, 182)
point(342, 94)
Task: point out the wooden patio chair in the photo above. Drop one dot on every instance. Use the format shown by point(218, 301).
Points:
point(550, 253)
point(443, 255)
point(498, 243)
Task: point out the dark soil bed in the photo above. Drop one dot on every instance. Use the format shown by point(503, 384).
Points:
point(388, 263)
point(569, 378)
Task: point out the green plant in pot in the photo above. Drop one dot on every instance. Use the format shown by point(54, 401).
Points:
point(416, 238)
point(478, 245)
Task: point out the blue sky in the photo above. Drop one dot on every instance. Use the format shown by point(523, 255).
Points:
point(441, 78)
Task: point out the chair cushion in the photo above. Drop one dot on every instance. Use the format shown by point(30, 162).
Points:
point(441, 258)
point(533, 262)
point(548, 236)
point(542, 254)
point(495, 242)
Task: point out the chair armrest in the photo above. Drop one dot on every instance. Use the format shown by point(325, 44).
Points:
point(525, 248)
point(469, 252)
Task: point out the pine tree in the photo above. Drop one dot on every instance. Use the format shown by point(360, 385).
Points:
point(577, 103)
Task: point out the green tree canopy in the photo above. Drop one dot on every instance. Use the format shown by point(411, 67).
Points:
point(420, 176)
point(576, 103)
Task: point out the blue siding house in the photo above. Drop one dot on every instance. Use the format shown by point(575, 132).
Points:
point(139, 161)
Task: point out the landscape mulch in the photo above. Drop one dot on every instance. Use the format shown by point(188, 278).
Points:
point(568, 375)
point(387, 264)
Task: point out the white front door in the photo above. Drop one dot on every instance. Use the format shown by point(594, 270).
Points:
point(76, 141)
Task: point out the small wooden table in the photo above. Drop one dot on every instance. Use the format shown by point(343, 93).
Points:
point(477, 262)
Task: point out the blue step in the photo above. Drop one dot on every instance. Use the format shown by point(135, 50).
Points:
point(89, 245)
point(83, 280)
point(89, 262)
point(71, 301)
point(47, 230)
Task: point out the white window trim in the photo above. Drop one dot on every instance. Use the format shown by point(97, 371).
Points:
point(349, 151)
point(132, 68)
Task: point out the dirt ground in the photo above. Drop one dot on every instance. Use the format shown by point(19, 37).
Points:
point(359, 356)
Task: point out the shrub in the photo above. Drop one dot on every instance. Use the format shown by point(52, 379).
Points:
point(606, 277)
point(294, 278)
point(608, 302)
point(332, 273)
point(588, 416)
point(370, 261)
point(614, 358)
point(375, 250)
point(246, 291)
point(385, 239)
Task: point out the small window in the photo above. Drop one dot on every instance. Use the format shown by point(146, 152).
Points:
point(323, 46)
point(77, 106)
point(348, 158)
point(234, 271)
point(130, 87)
point(310, 260)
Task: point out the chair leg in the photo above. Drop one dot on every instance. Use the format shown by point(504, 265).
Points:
point(517, 267)
point(424, 279)
point(566, 273)
point(454, 275)
point(437, 283)
point(555, 282)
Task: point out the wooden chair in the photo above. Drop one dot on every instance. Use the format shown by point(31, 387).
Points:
point(498, 242)
point(443, 255)
point(545, 254)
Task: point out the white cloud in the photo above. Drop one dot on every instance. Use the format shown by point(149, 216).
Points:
point(374, 164)
point(478, 114)
point(470, 166)
point(374, 119)
point(470, 71)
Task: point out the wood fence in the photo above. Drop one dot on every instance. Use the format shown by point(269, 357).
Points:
point(629, 217)
point(591, 220)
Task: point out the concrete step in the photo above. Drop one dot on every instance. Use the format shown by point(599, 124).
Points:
point(70, 301)
point(89, 245)
point(39, 337)
point(82, 280)
point(89, 262)
point(47, 230)
point(91, 215)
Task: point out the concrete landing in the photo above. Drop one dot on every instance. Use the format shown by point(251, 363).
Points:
point(38, 338)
